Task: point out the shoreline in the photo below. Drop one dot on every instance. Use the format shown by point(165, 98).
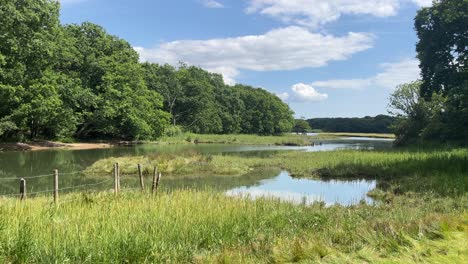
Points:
point(285, 140)
point(47, 145)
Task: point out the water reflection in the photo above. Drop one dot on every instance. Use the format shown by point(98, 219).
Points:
point(308, 191)
point(19, 164)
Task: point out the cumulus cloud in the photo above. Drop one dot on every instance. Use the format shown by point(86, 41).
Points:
point(212, 4)
point(287, 48)
point(313, 13)
point(303, 93)
point(393, 74)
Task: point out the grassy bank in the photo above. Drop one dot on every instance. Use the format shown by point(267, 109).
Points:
point(204, 226)
point(241, 139)
point(404, 169)
point(369, 135)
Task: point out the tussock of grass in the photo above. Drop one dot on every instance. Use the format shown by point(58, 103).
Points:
point(204, 226)
point(186, 164)
point(369, 135)
point(443, 171)
point(283, 140)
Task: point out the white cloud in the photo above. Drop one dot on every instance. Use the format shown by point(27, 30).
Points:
point(287, 48)
point(64, 2)
point(283, 96)
point(303, 93)
point(212, 4)
point(422, 3)
point(393, 74)
point(313, 13)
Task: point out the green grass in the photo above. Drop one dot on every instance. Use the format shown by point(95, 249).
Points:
point(205, 226)
point(420, 214)
point(347, 134)
point(442, 171)
point(242, 139)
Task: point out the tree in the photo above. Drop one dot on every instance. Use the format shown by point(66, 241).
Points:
point(28, 49)
point(443, 44)
point(442, 50)
point(301, 126)
point(163, 79)
point(113, 99)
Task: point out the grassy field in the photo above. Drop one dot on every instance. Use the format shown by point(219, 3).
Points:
point(420, 214)
point(241, 139)
point(369, 135)
point(208, 227)
point(407, 169)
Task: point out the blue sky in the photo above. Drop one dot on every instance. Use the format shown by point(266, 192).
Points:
point(334, 58)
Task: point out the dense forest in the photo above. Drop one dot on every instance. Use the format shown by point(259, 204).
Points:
point(377, 124)
point(435, 108)
point(77, 81)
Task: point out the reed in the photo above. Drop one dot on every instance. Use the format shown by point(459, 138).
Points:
point(206, 226)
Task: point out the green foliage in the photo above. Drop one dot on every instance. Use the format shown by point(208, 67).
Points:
point(443, 38)
point(442, 48)
point(78, 81)
point(116, 103)
point(265, 113)
point(377, 124)
point(200, 102)
point(301, 126)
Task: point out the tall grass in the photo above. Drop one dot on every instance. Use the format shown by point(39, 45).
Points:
point(442, 171)
point(242, 139)
point(205, 226)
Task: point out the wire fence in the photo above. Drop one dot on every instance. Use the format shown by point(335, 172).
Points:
point(23, 191)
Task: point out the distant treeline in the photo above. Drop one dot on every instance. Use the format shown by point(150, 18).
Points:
point(77, 81)
point(378, 124)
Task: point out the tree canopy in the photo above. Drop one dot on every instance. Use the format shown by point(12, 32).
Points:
point(78, 81)
point(436, 108)
point(377, 124)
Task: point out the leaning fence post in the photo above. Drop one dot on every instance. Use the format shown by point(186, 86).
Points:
point(157, 181)
point(155, 177)
point(116, 179)
point(22, 189)
point(142, 184)
point(55, 186)
point(118, 175)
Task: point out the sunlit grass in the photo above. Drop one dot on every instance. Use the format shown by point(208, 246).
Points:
point(242, 139)
point(425, 170)
point(205, 226)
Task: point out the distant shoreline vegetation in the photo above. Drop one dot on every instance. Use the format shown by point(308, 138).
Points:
point(378, 124)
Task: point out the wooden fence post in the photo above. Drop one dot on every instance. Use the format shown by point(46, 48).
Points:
point(55, 186)
point(142, 184)
point(118, 175)
point(22, 189)
point(157, 181)
point(155, 178)
point(116, 179)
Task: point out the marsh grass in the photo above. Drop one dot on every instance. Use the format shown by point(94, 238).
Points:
point(444, 171)
point(242, 139)
point(368, 135)
point(206, 226)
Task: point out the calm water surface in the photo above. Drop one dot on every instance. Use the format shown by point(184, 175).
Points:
point(308, 191)
point(14, 165)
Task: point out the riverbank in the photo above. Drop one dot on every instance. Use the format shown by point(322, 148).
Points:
point(410, 169)
point(44, 145)
point(190, 138)
point(420, 213)
point(360, 135)
point(209, 227)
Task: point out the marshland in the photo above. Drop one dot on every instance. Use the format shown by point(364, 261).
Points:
point(141, 141)
point(362, 200)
